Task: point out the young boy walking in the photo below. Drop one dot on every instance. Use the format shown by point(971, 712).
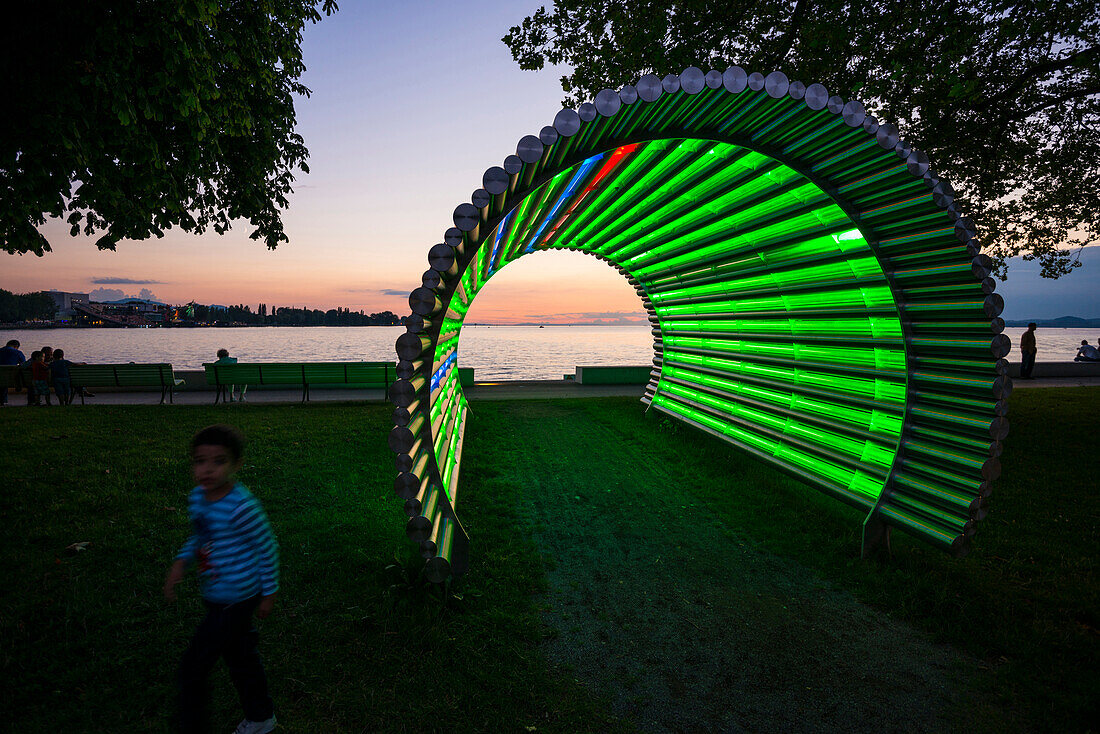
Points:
point(238, 565)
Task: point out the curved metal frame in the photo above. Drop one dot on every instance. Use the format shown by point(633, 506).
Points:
point(950, 420)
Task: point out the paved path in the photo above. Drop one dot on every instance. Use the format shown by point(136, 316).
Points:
point(509, 390)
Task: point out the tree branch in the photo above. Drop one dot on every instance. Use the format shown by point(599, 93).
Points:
point(787, 40)
point(1075, 94)
point(1036, 71)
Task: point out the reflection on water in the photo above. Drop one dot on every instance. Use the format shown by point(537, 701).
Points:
point(495, 352)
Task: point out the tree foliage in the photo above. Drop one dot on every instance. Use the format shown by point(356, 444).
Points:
point(1003, 95)
point(129, 117)
point(18, 307)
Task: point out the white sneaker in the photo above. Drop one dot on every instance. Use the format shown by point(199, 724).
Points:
point(256, 727)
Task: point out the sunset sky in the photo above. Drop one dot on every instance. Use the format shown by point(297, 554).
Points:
point(411, 103)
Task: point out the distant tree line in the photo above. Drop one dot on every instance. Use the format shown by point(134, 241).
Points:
point(16, 307)
point(287, 316)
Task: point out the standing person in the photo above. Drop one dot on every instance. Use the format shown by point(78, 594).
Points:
point(62, 380)
point(1028, 350)
point(40, 378)
point(11, 356)
point(238, 566)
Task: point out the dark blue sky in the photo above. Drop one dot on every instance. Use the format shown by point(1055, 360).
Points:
point(1029, 296)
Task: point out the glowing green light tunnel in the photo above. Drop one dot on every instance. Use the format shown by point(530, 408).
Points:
point(816, 300)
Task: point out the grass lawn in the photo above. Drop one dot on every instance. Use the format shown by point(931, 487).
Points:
point(88, 644)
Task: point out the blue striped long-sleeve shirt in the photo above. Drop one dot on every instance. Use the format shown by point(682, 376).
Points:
point(233, 545)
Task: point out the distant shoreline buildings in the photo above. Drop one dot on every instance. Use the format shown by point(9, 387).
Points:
point(53, 309)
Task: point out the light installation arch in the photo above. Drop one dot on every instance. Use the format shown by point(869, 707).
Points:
point(816, 299)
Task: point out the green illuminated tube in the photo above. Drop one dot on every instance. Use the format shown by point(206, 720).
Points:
point(405, 462)
point(988, 467)
point(425, 302)
point(992, 306)
point(409, 483)
point(806, 383)
point(971, 348)
point(645, 179)
point(777, 117)
point(895, 210)
point(958, 503)
point(855, 499)
point(967, 423)
point(754, 193)
point(402, 415)
point(452, 485)
point(895, 186)
point(944, 521)
point(590, 129)
point(952, 252)
point(956, 329)
point(889, 177)
point(830, 276)
point(404, 392)
point(826, 137)
point(406, 369)
point(422, 510)
point(820, 451)
point(438, 566)
point(836, 138)
point(415, 323)
point(984, 386)
point(429, 546)
point(849, 163)
point(642, 181)
point(833, 416)
point(971, 483)
point(975, 289)
point(721, 225)
point(977, 446)
point(413, 346)
point(927, 530)
point(444, 259)
point(402, 438)
point(909, 242)
point(729, 256)
point(760, 366)
point(973, 405)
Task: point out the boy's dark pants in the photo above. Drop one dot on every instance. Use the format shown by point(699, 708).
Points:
point(226, 631)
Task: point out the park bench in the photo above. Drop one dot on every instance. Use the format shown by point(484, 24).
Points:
point(125, 375)
point(361, 374)
point(613, 375)
point(9, 376)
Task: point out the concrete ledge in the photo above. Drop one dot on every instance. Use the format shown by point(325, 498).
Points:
point(1058, 369)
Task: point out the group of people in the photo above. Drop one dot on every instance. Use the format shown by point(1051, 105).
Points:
point(1087, 353)
point(1028, 350)
point(47, 367)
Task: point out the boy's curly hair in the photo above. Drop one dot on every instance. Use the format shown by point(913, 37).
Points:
point(222, 435)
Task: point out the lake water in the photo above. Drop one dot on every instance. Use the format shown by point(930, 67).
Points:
point(495, 352)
